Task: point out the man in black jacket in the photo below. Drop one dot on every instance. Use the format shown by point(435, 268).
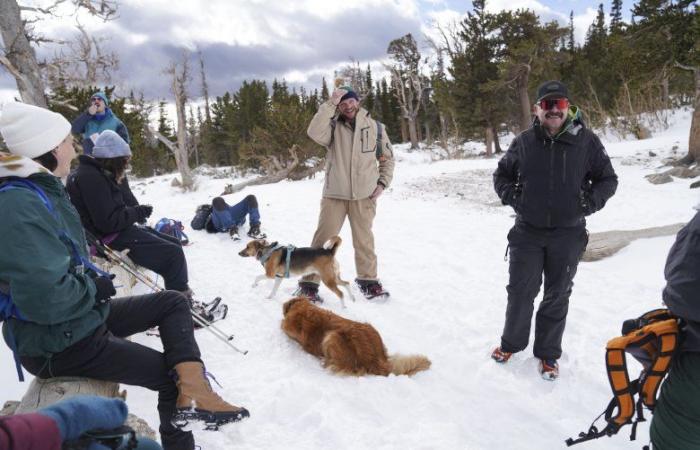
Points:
point(553, 175)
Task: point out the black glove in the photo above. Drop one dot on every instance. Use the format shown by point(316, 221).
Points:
point(105, 289)
point(143, 212)
point(586, 203)
point(510, 196)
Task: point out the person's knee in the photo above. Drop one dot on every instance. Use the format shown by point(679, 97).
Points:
point(251, 201)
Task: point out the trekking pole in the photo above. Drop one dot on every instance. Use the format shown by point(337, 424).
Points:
point(145, 279)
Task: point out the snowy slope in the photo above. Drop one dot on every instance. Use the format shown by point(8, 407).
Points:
point(440, 236)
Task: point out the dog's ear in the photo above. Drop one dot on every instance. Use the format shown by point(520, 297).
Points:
point(289, 303)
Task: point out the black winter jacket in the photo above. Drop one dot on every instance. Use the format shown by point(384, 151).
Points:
point(105, 207)
point(555, 182)
point(682, 291)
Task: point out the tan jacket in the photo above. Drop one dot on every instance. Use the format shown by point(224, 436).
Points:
point(352, 169)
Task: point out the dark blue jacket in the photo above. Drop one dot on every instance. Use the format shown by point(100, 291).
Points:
point(544, 178)
point(682, 291)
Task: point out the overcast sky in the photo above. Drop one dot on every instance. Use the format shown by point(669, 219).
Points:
point(300, 41)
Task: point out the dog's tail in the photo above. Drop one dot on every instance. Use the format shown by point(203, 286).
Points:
point(408, 365)
point(332, 244)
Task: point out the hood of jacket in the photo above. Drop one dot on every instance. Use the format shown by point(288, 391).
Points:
point(19, 166)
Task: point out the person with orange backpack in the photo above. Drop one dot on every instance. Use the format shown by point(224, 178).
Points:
point(676, 421)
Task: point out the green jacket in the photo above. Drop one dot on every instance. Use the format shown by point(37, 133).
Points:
point(58, 305)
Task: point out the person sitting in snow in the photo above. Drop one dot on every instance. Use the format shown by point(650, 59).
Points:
point(66, 323)
point(553, 175)
point(228, 219)
point(109, 211)
point(356, 175)
point(97, 118)
point(677, 412)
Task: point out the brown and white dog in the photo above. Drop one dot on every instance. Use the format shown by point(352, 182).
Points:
point(303, 261)
point(345, 347)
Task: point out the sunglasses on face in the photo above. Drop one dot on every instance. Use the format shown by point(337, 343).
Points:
point(96, 100)
point(549, 103)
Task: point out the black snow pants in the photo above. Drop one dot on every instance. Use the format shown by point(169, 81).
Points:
point(106, 355)
point(155, 251)
point(534, 251)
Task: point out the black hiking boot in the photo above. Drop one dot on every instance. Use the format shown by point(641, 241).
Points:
point(233, 232)
point(255, 233)
point(372, 289)
point(309, 290)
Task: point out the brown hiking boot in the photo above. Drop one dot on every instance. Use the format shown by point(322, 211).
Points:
point(500, 356)
point(198, 401)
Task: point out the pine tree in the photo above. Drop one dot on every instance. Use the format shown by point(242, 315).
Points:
point(572, 39)
point(616, 16)
point(369, 100)
point(324, 90)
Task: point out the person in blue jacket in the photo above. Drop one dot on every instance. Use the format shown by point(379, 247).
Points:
point(96, 119)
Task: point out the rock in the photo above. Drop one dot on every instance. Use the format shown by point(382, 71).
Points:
point(175, 182)
point(659, 178)
point(695, 185)
point(9, 408)
point(652, 154)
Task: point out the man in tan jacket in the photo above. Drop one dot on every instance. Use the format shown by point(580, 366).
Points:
point(359, 166)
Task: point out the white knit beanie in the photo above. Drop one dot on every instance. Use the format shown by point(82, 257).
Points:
point(31, 131)
point(110, 145)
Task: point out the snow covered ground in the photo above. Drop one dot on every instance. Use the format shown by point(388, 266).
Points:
point(441, 237)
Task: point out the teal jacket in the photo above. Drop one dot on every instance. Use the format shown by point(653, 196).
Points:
point(57, 303)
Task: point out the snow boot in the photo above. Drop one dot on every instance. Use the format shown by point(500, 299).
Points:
point(500, 356)
point(255, 233)
point(309, 290)
point(372, 289)
point(233, 232)
point(549, 369)
point(197, 401)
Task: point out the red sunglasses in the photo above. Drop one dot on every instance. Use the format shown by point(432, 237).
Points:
point(549, 103)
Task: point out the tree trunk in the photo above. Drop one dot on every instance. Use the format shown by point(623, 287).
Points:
point(443, 130)
point(664, 91)
point(404, 130)
point(180, 151)
point(489, 141)
point(413, 134)
point(524, 100)
point(19, 57)
point(694, 138)
point(496, 142)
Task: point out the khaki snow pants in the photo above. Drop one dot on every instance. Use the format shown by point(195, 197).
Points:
point(361, 214)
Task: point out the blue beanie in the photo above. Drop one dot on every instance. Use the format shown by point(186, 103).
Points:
point(101, 95)
point(110, 145)
point(350, 94)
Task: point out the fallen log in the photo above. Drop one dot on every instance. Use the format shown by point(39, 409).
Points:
point(607, 243)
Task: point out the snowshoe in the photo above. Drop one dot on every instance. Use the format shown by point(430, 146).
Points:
point(372, 290)
point(309, 290)
point(211, 420)
point(211, 312)
point(255, 233)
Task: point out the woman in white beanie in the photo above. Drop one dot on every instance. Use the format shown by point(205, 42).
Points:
point(64, 323)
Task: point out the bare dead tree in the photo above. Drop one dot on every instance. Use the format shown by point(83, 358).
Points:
point(205, 88)
point(407, 81)
point(180, 75)
point(18, 56)
point(353, 75)
point(82, 61)
point(694, 138)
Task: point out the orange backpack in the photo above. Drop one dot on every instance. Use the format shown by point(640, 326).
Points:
point(651, 339)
